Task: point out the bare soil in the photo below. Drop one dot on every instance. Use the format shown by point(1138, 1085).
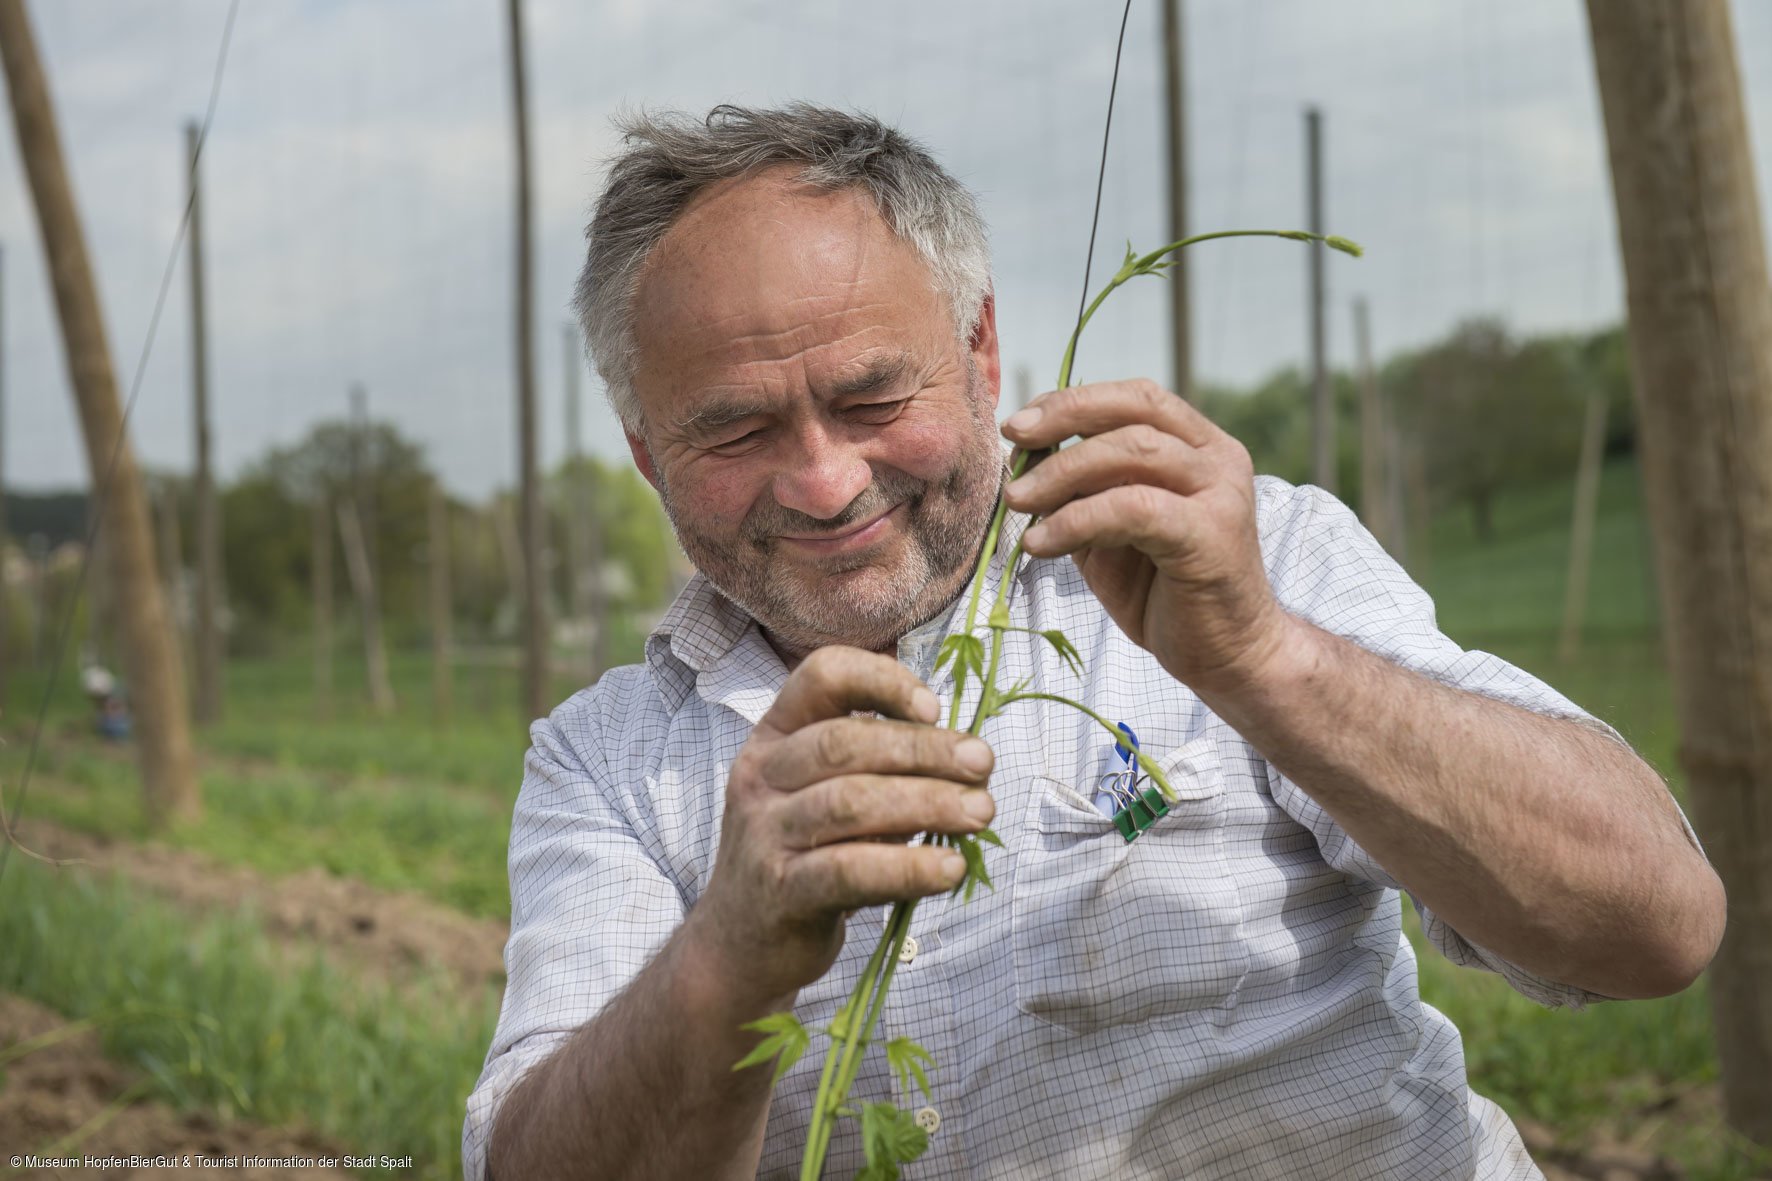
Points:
point(386, 934)
point(67, 1096)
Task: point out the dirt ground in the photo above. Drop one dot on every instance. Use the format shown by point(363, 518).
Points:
point(385, 934)
point(69, 1090)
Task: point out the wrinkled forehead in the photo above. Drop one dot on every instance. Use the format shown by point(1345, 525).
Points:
point(766, 269)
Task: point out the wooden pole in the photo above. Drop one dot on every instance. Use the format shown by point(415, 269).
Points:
point(207, 700)
point(5, 590)
point(153, 667)
point(1396, 510)
point(375, 654)
point(1374, 501)
point(530, 519)
point(437, 555)
point(589, 565)
point(1581, 525)
point(575, 498)
point(171, 545)
point(1174, 76)
point(1700, 326)
point(320, 572)
point(1322, 396)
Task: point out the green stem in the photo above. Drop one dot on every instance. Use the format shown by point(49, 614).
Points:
point(813, 1163)
point(1144, 760)
point(844, 1053)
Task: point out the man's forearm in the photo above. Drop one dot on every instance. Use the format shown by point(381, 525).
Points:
point(1540, 839)
point(646, 1089)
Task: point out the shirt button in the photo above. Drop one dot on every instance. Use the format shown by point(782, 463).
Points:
point(908, 952)
point(928, 1119)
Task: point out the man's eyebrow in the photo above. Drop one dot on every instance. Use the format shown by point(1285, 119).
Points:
point(881, 374)
point(717, 415)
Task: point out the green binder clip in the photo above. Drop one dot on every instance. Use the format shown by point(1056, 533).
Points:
point(1136, 807)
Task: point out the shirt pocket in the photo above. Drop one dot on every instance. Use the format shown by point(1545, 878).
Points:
point(1107, 932)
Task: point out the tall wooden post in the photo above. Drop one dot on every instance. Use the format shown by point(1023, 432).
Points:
point(584, 530)
point(171, 545)
point(1322, 396)
point(531, 521)
point(437, 555)
point(320, 574)
point(5, 591)
point(574, 490)
point(152, 664)
point(207, 699)
point(1174, 76)
point(362, 576)
point(1374, 501)
point(1700, 306)
point(1581, 525)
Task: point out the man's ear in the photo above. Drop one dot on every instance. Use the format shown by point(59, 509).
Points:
point(983, 346)
point(642, 458)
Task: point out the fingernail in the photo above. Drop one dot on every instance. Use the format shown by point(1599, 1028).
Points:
point(1024, 419)
point(925, 705)
point(974, 755)
point(977, 804)
point(953, 864)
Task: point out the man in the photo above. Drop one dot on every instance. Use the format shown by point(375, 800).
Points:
point(793, 315)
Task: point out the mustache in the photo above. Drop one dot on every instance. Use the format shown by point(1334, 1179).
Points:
point(771, 521)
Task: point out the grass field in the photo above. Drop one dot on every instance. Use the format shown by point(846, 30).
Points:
point(422, 804)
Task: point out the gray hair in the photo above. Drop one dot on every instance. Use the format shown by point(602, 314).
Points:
point(672, 156)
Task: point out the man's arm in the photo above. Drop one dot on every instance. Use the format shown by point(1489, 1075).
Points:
point(646, 1089)
point(1538, 838)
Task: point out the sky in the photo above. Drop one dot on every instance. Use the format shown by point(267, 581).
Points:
point(358, 198)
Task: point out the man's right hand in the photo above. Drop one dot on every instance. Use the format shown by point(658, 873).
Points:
point(816, 806)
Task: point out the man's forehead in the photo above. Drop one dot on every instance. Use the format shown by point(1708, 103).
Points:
point(771, 270)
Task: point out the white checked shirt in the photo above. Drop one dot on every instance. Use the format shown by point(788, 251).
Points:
point(1229, 996)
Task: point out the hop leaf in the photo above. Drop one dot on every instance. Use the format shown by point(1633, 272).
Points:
point(1065, 649)
point(975, 870)
point(907, 1058)
point(967, 653)
point(787, 1038)
point(890, 1136)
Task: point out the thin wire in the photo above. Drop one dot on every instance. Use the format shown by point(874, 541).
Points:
point(1101, 178)
point(103, 485)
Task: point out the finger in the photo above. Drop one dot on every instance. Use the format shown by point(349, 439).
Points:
point(1102, 406)
point(852, 807)
point(1154, 521)
point(834, 680)
point(1135, 454)
point(856, 874)
point(849, 746)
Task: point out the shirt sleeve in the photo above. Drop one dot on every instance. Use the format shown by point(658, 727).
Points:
point(1327, 568)
point(589, 908)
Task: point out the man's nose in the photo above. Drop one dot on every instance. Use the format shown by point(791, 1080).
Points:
point(823, 476)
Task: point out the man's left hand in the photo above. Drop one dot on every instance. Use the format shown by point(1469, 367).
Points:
point(1156, 505)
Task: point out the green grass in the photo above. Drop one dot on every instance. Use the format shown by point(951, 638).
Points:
point(445, 842)
point(214, 1020)
point(1570, 1070)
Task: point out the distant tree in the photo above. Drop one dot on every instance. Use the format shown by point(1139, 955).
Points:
point(1489, 412)
point(396, 480)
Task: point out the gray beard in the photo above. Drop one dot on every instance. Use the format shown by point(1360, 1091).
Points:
point(804, 609)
